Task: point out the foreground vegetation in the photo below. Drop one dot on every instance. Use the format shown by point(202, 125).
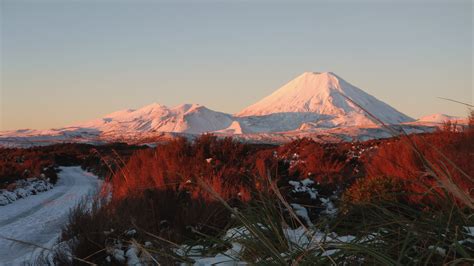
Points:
point(406, 200)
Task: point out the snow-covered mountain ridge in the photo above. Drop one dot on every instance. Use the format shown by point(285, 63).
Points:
point(185, 118)
point(318, 105)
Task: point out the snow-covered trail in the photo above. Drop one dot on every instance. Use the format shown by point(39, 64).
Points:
point(38, 219)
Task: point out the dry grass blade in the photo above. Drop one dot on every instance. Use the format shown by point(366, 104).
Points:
point(145, 251)
point(253, 229)
point(44, 248)
point(95, 253)
point(451, 100)
point(295, 216)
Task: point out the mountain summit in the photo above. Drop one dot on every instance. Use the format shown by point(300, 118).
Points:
point(323, 93)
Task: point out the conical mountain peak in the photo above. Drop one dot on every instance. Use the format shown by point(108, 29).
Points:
point(324, 93)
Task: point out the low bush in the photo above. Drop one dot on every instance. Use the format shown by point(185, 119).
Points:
point(376, 189)
point(161, 216)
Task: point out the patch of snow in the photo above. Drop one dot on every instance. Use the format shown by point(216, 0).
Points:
point(330, 209)
point(303, 187)
point(11, 196)
point(298, 239)
point(439, 250)
point(302, 212)
point(118, 255)
point(4, 200)
point(24, 188)
point(132, 256)
point(469, 230)
point(131, 232)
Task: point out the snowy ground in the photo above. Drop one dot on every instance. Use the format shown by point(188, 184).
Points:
point(25, 188)
point(38, 219)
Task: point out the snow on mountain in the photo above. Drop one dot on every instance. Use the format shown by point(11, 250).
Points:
point(312, 105)
point(234, 128)
point(185, 118)
point(323, 93)
point(279, 122)
point(439, 118)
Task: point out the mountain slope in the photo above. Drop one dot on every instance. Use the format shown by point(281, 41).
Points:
point(322, 93)
point(186, 118)
point(439, 118)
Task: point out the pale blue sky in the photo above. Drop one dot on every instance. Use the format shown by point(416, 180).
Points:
point(69, 61)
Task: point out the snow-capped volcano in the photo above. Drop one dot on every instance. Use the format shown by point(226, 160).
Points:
point(324, 93)
point(185, 118)
point(317, 105)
